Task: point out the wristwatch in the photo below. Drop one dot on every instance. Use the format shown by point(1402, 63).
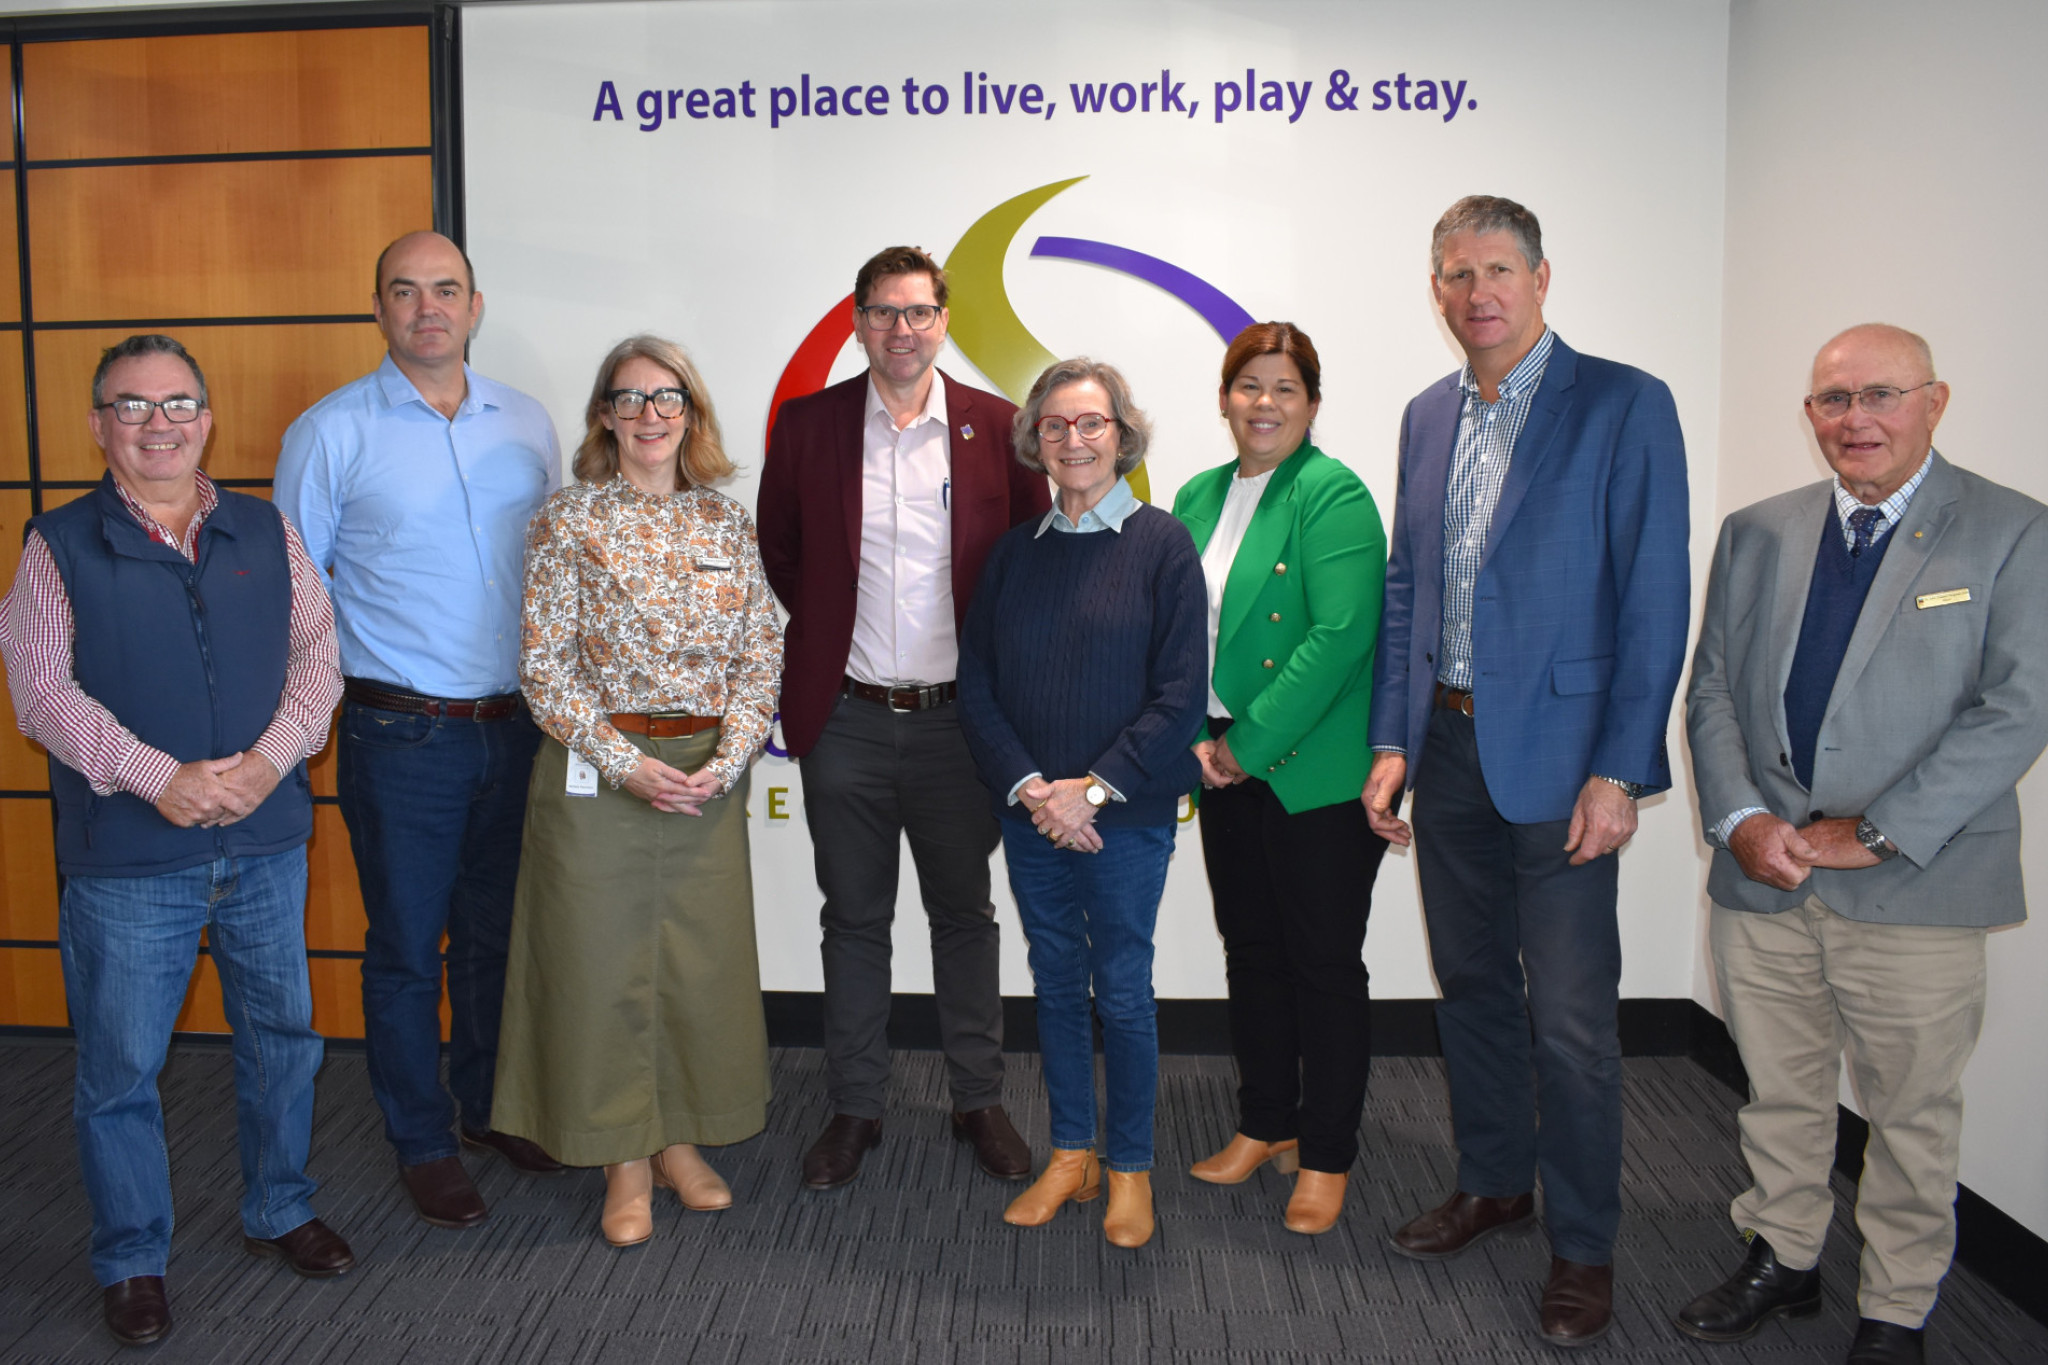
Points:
point(1867, 834)
point(1632, 790)
point(1096, 794)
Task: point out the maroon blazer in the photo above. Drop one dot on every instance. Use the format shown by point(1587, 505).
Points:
point(808, 515)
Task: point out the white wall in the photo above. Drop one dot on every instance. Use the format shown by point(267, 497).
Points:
point(1886, 163)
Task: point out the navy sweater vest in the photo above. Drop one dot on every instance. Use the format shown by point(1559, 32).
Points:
point(1071, 638)
point(190, 657)
point(1834, 601)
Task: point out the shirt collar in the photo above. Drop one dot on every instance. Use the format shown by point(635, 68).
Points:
point(399, 390)
point(1893, 508)
point(934, 404)
point(1108, 515)
point(1525, 376)
point(209, 499)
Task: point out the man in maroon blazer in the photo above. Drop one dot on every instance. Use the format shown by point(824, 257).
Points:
point(880, 500)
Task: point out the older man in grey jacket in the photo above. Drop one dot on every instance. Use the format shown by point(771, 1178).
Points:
point(1868, 690)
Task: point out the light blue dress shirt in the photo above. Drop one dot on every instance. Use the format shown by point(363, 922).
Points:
point(420, 524)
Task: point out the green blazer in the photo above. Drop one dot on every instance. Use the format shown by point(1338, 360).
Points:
point(1300, 618)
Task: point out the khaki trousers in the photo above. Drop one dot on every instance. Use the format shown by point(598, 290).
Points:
point(1907, 1002)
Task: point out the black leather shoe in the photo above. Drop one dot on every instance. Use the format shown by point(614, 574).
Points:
point(1459, 1222)
point(999, 1148)
point(442, 1193)
point(1886, 1343)
point(312, 1248)
point(136, 1310)
point(522, 1154)
point(1762, 1289)
point(835, 1157)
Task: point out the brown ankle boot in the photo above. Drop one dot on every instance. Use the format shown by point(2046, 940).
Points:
point(1074, 1175)
point(1237, 1162)
point(1317, 1202)
point(682, 1168)
point(628, 1203)
point(1128, 1223)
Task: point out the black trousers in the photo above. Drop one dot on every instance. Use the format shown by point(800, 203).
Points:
point(875, 776)
point(1292, 895)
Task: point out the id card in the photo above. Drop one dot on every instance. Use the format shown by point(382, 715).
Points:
point(582, 776)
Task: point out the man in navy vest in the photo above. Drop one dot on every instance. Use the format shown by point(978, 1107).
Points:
point(1871, 682)
point(169, 642)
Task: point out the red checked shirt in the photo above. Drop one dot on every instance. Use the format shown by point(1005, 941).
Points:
point(37, 627)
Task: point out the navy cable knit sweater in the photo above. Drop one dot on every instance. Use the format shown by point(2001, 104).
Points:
point(1089, 652)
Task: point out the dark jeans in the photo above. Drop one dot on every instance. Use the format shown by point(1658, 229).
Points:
point(1528, 953)
point(434, 809)
point(1292, 894)
point(874, 776)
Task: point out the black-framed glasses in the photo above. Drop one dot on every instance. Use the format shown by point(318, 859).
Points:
point(628, 404)
point(1053, 430)
point(882, 318)
point(1877, 400)
point(134, 412)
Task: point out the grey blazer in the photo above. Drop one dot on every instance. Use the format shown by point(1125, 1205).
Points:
point(1937, 712)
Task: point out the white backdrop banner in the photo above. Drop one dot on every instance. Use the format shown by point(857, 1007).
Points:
point(1128, 181)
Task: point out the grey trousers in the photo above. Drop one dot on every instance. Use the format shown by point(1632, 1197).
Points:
point(875, 776)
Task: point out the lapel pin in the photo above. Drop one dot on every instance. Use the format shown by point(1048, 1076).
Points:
point(966, 432)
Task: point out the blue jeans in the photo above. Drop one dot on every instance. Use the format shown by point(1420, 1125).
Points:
point(434, 808)
point(128, 945)
point(1089, 917)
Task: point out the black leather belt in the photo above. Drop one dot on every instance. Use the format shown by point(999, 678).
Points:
point(416, 704)
point(903, 698)
point(1454, 699)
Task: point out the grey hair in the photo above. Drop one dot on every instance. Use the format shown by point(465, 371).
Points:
point(146, 343)
point(1481, 214)
point(1134, 429)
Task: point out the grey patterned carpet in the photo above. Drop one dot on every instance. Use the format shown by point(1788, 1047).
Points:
point(912, 1262)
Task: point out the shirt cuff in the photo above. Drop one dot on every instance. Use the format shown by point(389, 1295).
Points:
point(276, 745)
point(146, 772)
point(1390, 749)
point(1726, 828)
point(1016, 792)
point(1114, 794)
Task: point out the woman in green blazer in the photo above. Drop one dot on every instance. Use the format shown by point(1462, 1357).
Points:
point(1295, 557)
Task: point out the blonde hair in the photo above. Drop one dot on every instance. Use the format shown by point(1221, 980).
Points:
point(703, 456)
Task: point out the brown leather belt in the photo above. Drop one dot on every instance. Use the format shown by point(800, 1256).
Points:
point(663, 727)
point(903, 698)
point(1454, 699)
point(413, 703)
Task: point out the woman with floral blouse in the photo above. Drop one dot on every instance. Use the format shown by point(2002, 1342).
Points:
point(650, 657)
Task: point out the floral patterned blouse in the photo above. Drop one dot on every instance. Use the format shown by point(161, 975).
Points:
point(649, 604)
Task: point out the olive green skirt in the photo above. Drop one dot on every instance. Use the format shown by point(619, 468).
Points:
point(633, 990)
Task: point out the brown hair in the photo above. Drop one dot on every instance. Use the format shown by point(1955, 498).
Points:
point(1133, 428)
point(703, 455)
point(898, 260)
point(1275, 338)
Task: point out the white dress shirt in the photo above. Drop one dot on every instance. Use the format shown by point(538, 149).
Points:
point(903, 631)
point(1236, 518)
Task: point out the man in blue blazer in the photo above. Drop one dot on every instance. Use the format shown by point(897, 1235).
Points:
point(1532, 637)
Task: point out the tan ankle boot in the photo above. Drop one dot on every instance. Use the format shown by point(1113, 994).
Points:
point(1317, 1202)
point(1074, 1175)
point(1129, 1220)
point(1236, 1162)
point(628, 1203)
point(681, 1168)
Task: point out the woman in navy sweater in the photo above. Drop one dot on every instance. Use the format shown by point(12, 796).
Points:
point(1082, 686)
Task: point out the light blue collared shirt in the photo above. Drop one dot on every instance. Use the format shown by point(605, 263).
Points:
point(420, 523)
point(1108, 515)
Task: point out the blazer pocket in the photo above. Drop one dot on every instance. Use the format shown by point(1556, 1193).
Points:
point(1569, 677)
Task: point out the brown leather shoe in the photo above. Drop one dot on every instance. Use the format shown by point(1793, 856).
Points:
point(441, 1191)
point(1578, 1303)
point(1074, 1174)
point(1317, 1202)
point(1241, 1158)
point(312, 1248)
point(835, 1157)
point(136, 1310)
point(1129, 1221)
point(523, 1155)
point(999, 1148)
point(1459, 1222)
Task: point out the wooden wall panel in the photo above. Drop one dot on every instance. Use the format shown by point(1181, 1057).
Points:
point(10, 259)
point(229, 92)
point(245, 239)
point(258, 380)
point(338, 998)
point(32, 988)
point(28, 892)
point(321, 767)
point(334, 898)
point(22, 763)
point(203, 1012)
point(13, 405)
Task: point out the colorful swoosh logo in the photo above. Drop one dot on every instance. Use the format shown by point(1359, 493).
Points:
point(984, 325)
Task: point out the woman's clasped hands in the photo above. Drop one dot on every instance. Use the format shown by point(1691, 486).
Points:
point(671, 789)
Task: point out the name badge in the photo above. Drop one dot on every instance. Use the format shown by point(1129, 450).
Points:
point(1941, 599)
point(714, 566)
point(582, 776)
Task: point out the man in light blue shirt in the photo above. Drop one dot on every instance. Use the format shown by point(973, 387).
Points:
point(412, 487)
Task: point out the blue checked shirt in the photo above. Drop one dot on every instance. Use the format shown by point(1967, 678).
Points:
point(1479, 465)
point(1889, 513)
